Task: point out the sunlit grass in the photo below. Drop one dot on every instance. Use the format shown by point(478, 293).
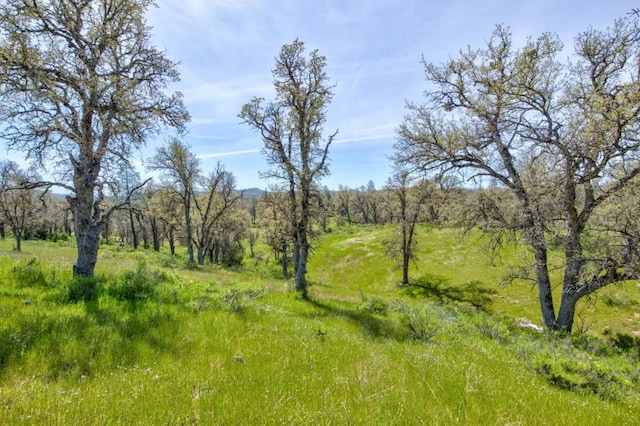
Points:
point(215, 346)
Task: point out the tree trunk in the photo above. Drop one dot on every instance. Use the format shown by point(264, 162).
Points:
point(155, 233)
point(405, 268)
point(18, 237)
point(134, 234)
point(189, 228)
point(172, 242)
point(301, 269)
point(87, 240)
point(567, 312)
point(544, 286)
point(201, 252)
point(143, 230)
point(87, 216)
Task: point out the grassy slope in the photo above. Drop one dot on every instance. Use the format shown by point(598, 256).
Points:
point(216, 346)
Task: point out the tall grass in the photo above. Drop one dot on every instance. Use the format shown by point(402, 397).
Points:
point(165, 345)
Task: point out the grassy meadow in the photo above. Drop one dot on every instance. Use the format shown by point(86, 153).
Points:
point(160, 343)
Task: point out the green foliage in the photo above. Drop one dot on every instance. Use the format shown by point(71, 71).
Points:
point(33, 274)
point(423, 325)
point(204, 345)
point(613, 378)
point(616, 299)
point(137, 285)
point(83, 289)
point(374, 305)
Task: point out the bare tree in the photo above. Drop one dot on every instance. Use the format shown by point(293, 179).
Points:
point(181, 171)
point(18, 202)
point(411, 195)
point(218, 198)
point(291, 129)
point(563, 139)
point(82, 86)
point(276, 226)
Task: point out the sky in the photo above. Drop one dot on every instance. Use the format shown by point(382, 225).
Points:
point(226, 50)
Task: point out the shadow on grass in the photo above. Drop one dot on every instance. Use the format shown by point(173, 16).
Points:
point(83, 343)
point(438, 288)
point(373, 325)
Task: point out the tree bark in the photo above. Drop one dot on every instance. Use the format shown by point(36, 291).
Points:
point(189, 227)
point(567, 312)
point(134, 234)
point(155, 234)
point(301, 269)
point(18, 238)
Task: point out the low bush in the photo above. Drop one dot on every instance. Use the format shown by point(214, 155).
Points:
point(33, 273)
point(136, 285)
point(83, 289)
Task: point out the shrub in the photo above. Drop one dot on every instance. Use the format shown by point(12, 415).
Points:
point(32, 274)
point(83, 289)
point(421, 324)
point(237, 298)
point(374, 305)
point(137, 285)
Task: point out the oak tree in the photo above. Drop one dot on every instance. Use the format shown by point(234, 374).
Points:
point(180, 170)
point(291, 128)
point(81, 88)
point(563, 138)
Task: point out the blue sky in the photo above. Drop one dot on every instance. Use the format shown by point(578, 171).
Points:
point(226, 50)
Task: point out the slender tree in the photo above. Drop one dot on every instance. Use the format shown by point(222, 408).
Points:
point(291, 129)
point(82, 87)
point(180, 170)
point(411, 195)
point(18, 202)
point(563, 139)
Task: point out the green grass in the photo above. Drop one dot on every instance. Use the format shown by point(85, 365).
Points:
point(162, 344)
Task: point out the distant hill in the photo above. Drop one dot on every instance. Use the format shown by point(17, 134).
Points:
point(253, 192)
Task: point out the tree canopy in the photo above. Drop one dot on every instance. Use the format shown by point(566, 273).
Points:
point(81, 88)
point(563, 138)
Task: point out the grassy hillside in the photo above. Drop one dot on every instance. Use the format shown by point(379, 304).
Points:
point(167, 345)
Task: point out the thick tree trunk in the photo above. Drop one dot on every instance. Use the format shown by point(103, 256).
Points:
point(172, 243)
point(201, 253)
point(87, 216)
point(567, 312)
point(405, 268)
point(544, 286)
point(87, 241)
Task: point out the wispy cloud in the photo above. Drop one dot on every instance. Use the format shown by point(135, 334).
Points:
point(364, 138)
point(228, 153)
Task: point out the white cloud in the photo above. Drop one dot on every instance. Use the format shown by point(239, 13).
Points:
point(228, 153)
